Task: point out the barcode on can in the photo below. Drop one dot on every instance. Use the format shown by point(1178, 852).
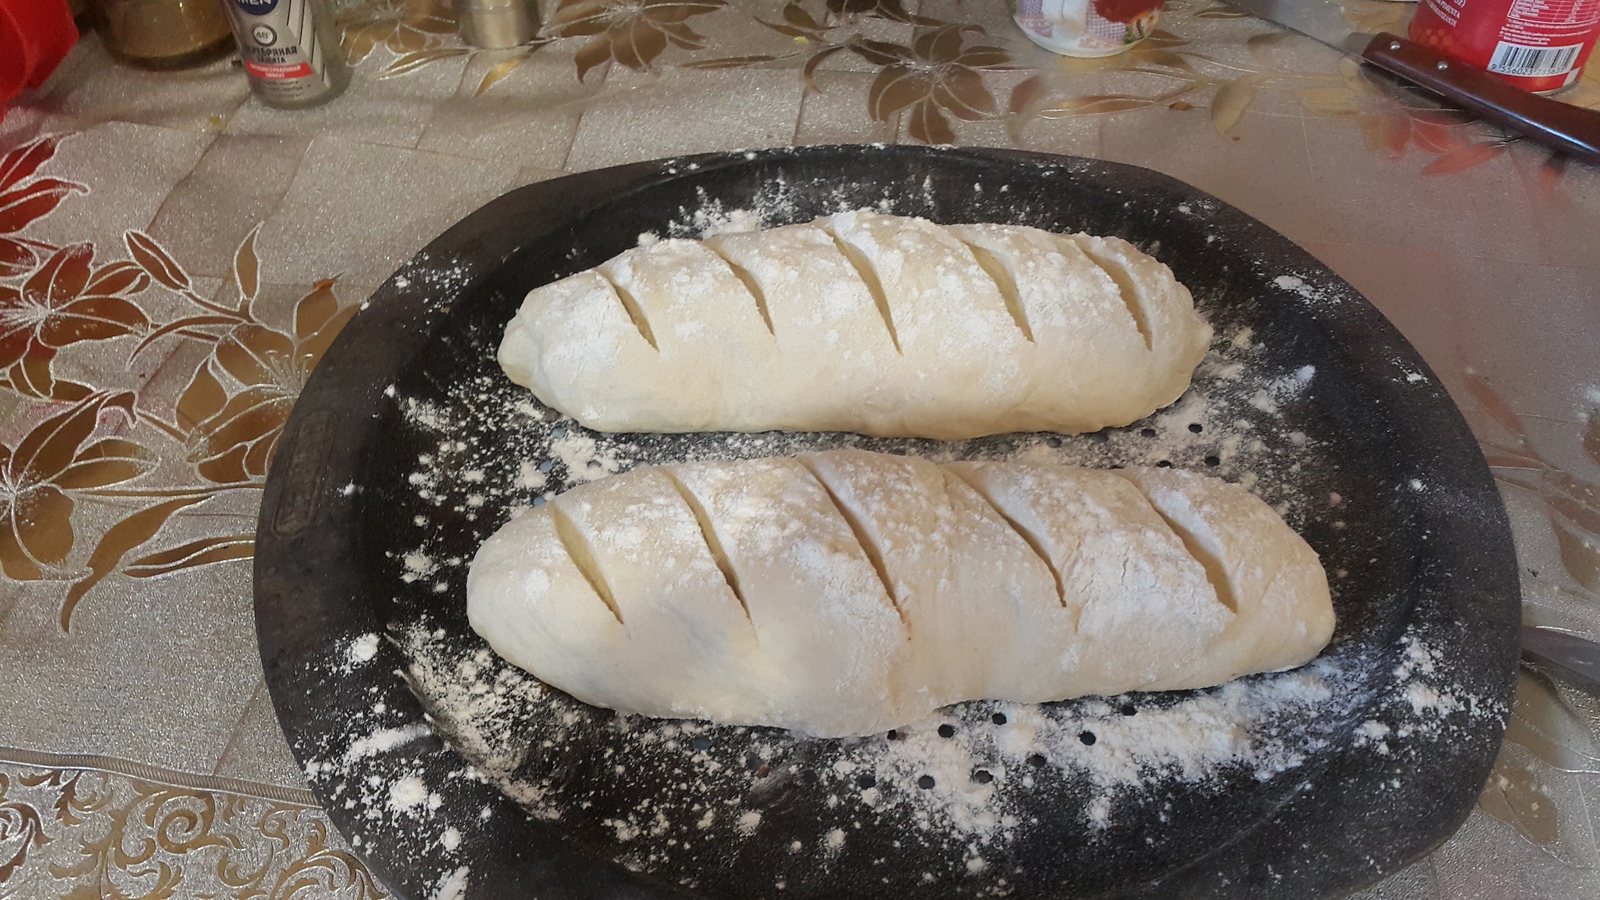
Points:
point(1534, 62)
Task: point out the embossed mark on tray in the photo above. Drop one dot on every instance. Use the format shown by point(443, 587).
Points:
point(308, 452)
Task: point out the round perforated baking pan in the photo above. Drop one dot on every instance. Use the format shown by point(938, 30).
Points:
point(448, 770)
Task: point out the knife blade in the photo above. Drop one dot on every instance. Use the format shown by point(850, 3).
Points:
point(1559, 126)
point(1576, 657)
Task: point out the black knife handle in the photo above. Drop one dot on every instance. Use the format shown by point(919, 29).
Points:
point(1561, 126)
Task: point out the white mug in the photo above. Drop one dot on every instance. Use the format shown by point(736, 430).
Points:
point(1087, 27)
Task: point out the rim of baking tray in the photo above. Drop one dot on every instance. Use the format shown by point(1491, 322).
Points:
point(308, 597)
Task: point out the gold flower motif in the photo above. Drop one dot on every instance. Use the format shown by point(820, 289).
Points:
point(630, 32)
point(112, 835)
point(403, 26)
point(24, 200)
point(939, 73)
point(235, 437)
point(893, 10)
point(39, 474)
point(20, 831)
point(65, 301)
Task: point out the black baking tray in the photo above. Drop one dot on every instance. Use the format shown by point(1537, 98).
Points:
point(1367, 456)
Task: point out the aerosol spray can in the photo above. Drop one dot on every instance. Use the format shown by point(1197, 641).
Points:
point(290, 51)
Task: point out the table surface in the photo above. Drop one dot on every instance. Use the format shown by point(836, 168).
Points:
point(174, 258)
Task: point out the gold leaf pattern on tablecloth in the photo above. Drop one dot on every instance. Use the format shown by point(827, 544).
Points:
point(225, 423)
point(1373, 16)
point(24, 199)
point(21, 830)
point(85, 833)
point(632, 33)
point(234, 442)
point(402, 26)
point(892, 10)
point(41, 474)
point(1546, 733)
point(1171, 71)
point(1544, 723)
point(65, 300)
point(939, 73)
point(1393, 120)
point(118, 541)
point(1572, 503)
point(1514, 795)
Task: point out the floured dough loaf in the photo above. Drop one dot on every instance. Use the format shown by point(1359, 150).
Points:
point(847, 592)
point(879, 324)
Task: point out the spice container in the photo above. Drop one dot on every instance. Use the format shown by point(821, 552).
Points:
point(163, 34)
point(290, 51)
point(1087, 27)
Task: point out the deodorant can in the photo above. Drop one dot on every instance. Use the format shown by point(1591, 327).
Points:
point(290, 51)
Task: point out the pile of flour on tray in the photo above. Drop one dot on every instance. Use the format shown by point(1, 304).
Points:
point(958, 784)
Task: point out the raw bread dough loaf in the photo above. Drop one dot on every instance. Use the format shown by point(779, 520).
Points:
point(884, 325)
point(847, 592)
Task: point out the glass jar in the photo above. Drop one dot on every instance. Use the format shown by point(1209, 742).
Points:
point(163, 34)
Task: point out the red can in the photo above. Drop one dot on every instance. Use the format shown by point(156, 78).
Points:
point(1538, 45)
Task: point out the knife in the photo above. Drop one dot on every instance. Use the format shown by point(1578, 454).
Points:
point(1560, 126)
point(1577, 658)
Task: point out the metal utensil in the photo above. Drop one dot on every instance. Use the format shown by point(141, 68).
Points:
point(1576, 657)
point(1560, 126)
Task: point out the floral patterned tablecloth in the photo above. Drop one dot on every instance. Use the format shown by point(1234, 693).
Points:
point(175, 258)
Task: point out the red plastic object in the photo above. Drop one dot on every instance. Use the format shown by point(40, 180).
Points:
point(1537, 45)
point(34, 37)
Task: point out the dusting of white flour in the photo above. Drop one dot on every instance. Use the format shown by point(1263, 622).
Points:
point(964, 784)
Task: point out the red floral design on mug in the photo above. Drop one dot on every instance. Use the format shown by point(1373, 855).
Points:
point(1125, 10)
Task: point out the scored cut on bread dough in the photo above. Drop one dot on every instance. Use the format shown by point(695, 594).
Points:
point(846, 592)
point(860, 321)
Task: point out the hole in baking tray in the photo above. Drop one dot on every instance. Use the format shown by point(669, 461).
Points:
point(925, 782)
point(869, 277)
point(700, 742)
point(1087, 737)
point(753, 762)
point(1052, 441)
point(893, 735)
point(998, 718)
point(866, 781)
point(634, 311)
point(1036, 761)
point(947, 731)
point(1196, 427)
point(750, 284)
point(1147, 432)
point(1213, 461)
point(1128, 709)
point(982, 776)
point(1100, 437)
point(578, 551)
point(997, 272)
point(1164, 464)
